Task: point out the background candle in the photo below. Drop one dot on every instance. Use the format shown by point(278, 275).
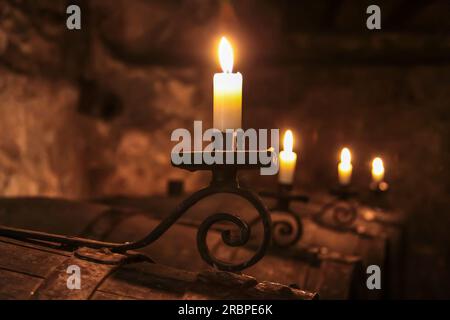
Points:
point(345, 167)
point(377, 170)
point(288, 160)
point(227, 91)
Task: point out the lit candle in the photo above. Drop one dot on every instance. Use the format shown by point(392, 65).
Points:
point(227, 91)
point(377, 170)
point(345, 167)
point(288, 160)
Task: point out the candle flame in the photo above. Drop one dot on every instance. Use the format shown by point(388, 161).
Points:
point(377, 166)
point(288, 141)
point(346, 156)
point(226, 55)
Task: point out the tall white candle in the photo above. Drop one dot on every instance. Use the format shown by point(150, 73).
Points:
point(227, 91)
point(377, 170)
point(345, 167)
point(288, 160)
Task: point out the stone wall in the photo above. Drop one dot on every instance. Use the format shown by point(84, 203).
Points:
point(40, 143)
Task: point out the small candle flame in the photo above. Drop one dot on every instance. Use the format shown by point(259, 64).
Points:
point(377, 166)
point(346, 156)
point(288, 141)
point(226, 55)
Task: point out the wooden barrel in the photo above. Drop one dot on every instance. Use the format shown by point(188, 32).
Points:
point(332, 275)
point(371, 221)
point(31, 271)
point(368, 243)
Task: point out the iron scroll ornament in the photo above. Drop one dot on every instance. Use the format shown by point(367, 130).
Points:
point(342, 211)
point(286, 232)
point(343, 216)
point(224, 181)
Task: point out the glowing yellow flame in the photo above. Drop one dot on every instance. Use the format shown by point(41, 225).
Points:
point(288, 141)
point(377, 166)
point(346, 156)
point(226, 55)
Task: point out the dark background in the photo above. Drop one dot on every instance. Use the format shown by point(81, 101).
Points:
point(89, 113)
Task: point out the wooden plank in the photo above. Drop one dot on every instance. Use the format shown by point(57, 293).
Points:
point(28, 260)
point(17, 286)
point(149, 281)
point(54, 287)
point(138, 282)
point(41, 246)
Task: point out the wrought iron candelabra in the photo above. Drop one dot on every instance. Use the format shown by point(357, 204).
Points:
point(291, 229)
point(224, 180)
point(338, 214)
point(343, 210)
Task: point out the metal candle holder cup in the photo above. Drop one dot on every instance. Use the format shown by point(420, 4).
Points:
point(379, 188)
point(378, 195)
point(283, 229)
